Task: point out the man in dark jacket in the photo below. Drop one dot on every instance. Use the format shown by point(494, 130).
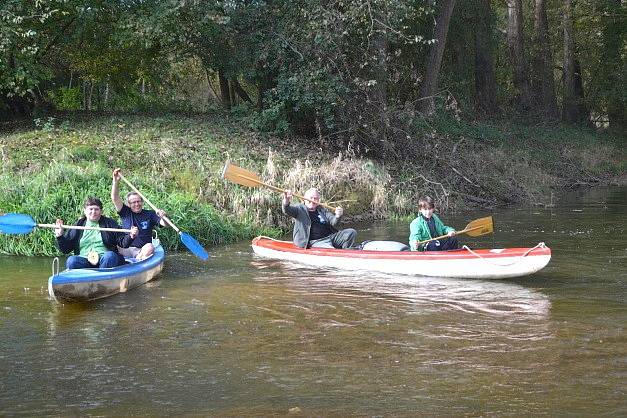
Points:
point(93, 247)
point(314, 226)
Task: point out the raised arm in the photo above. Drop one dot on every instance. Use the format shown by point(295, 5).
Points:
point(334, 217)
point(285, 204)
point(115, 190)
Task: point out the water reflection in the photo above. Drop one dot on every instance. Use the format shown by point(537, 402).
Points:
point(471, 296)
point(434, 322)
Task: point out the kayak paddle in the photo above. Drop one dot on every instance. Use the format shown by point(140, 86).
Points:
point(478, 227)
point(247, 178)
point(191, 243)
point(17, 223)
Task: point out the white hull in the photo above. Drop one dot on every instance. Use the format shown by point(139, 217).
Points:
point(470, 266)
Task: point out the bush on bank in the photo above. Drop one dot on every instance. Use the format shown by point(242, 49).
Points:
point(58, 191)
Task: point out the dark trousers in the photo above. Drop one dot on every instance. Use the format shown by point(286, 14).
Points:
point(450, 243)
point(341, 239)
point(108, 259)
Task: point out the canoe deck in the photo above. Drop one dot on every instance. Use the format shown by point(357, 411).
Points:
point(84, 285)
point(462, 263)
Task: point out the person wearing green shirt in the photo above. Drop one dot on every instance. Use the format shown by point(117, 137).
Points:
point(428, 225)
point(85, 242)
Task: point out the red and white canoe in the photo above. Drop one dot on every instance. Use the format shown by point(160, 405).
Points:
point(464, 263)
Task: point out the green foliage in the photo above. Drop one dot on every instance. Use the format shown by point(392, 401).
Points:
point(65, 98)
point(23, 28)
point(132, 100)
point(59, 191)
point(51, 124)
point(271, 119)
point(344, 71)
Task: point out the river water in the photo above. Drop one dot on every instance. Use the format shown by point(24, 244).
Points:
point(243, 336)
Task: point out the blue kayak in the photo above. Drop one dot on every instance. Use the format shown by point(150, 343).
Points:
point(83, 285)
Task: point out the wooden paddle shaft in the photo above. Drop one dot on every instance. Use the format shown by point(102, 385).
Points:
point(83, 227)
point(278, 189)
point(456, 233)
point(165, 218)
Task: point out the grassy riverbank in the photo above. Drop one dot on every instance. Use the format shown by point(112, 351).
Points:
point(48, 170)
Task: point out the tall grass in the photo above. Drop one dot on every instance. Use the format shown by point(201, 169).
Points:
point(60, 190)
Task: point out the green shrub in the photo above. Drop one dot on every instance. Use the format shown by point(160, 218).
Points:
point(65, 98)
point(60, 190)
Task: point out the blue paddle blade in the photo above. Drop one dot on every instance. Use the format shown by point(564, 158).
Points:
point(194, 246)
point(16, 223)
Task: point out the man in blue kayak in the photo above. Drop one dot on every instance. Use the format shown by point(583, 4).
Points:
point(133, 214)
point(314, 226)
point(93, 247)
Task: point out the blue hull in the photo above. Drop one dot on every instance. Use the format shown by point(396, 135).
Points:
point(83, 285)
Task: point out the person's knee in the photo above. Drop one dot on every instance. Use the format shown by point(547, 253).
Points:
point(350, 235)
point(148, 249)
point(109, 259)
point(348, 238)
point(73, 262)
point(452, 243)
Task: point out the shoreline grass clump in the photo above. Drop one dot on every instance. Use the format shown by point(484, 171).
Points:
point(60, 190)
point(358, 185)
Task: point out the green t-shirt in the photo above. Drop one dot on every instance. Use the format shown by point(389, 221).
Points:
point(91, 240)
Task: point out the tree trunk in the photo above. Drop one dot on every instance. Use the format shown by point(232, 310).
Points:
point(232, 93)
point(517, 53)
point(544, 81)
point(429, 86)
point(260, 93)
point(379, 90)
point(91, 94)
point(212, 91)
point(573, 109)
point(237, 87)
point(485, 81)
point(84, 95)
point(613, 40)
point(225, 95)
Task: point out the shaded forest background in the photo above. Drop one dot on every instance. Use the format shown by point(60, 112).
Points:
point(351, 74)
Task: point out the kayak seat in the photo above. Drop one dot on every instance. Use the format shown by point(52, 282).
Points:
point(131, 260)
point(373, 245)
